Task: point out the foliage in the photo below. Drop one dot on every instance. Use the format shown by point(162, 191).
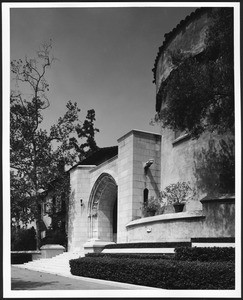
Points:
point(20, 258)
point(147, 245)
point(205, 254)
point(151, 207)
point(23, 239)
point(215, 167)
point(57, 236)
point(179, 192)
point(38, 157)
point(88, 131)
point(160, 273)
point(131, 255)
point(175, 193)
point(198, 95)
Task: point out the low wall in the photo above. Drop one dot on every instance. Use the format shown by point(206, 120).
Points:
point(173, 227)
point(216, 219)
point(220, 216)
point(48, 251)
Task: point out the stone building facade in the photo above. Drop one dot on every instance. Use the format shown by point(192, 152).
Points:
point(109, 188)
point(107, 196)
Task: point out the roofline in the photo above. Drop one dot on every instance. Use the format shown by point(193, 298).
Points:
point(138, 132)
point(80, 162)
point(169, 36)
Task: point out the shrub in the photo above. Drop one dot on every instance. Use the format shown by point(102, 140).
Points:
point(179, 192)
point(167, 274)
point(55, 237)
point(132, 255)
point(205, 254)
point(20, 258)
point(148, 245)
point(23, 239)
point(152, 207)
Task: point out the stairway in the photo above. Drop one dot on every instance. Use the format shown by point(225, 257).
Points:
point(56, 265)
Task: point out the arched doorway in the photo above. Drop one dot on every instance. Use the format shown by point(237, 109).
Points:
point(103, 209)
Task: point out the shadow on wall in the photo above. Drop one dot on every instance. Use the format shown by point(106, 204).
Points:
point(153, 183)
point(71, 217)
point(214, 167)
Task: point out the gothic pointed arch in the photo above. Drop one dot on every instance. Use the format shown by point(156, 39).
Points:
point(102, 208)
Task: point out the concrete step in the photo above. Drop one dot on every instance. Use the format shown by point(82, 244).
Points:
point(56, 265)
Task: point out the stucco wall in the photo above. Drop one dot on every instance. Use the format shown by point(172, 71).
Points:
point(177, 227)
point(190, 39)
point(178, 162)
point(220, 219)
point(215, 220)
point(178, 159)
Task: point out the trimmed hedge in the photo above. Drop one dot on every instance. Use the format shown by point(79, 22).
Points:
point(166, 274)
point(205, 254)
point(23, 239)
point(55, 237)
point(132, 255)
point(213, 240)
point(20, 258)
point(148, 245)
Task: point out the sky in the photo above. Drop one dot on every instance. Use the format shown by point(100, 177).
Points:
point(104, 60)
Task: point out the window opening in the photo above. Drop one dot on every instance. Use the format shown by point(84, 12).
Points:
point(145, 195)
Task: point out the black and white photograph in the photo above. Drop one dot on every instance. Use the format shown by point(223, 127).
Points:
point(121, 149)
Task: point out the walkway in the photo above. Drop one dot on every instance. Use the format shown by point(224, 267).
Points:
point(23, 279)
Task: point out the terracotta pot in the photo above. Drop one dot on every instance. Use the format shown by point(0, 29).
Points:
point(151, 213)
point(178, 207)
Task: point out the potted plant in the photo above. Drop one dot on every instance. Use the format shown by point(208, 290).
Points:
point(151, 207)
point(177, 194)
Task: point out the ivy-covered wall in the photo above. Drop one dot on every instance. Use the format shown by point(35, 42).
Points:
point(188, 38)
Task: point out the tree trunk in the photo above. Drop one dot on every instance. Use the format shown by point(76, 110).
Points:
point(38, 235)
point(38, 229)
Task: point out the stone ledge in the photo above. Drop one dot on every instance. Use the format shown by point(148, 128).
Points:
point(52, 247)
point(168, 217)
point(95, 245)
point(229, 198)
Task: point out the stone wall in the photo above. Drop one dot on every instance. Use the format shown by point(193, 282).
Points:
point(82, 180)
point(216, 219)
point(125, 185)
point(135, 149)
point(109, 167)
point(77, 213)
point(145, 146)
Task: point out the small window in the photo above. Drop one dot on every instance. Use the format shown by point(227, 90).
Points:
point(180, 136)
point(179, 133)
point(145, 196)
